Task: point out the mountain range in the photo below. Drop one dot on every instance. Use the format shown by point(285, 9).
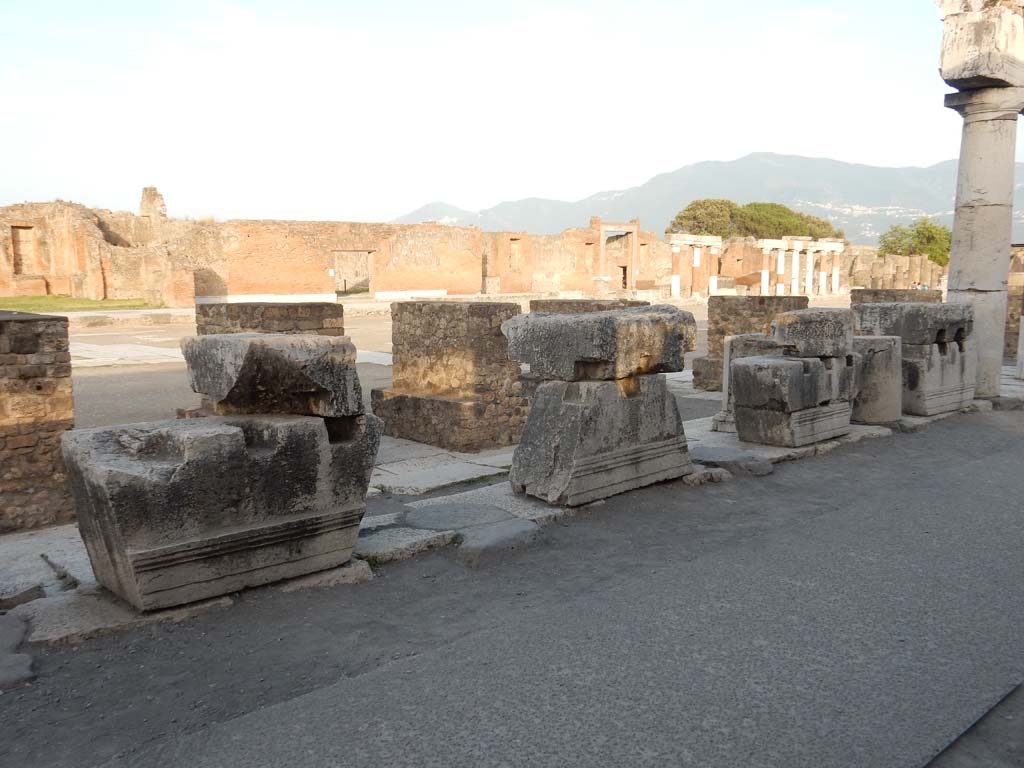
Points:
point(862, 200)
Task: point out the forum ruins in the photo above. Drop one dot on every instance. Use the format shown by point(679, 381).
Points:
point(268, 480)
point(63, 248)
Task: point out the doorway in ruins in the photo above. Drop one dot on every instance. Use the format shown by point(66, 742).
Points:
point(351, 271)
point(625, 277)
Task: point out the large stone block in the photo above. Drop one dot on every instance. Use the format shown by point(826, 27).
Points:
point(736, 347)
point(602, 345)
point(589, 440)
point(793, 430)
point(815, 332)
point(879, 398)
point(306, 375)
point(177, 511)
point(791, 384)
point(915, 323)
point(982, 43)
point(937, 378)
point(891, 295)
point(323, 318)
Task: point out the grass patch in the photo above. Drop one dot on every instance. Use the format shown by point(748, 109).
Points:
point(46, 304)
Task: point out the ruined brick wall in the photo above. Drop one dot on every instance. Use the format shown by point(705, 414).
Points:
point(36, 408)
point(881, 296)
point(733, 315)
point(319, 318)
point(453, 383)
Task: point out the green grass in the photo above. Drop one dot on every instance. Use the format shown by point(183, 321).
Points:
point(66, 304)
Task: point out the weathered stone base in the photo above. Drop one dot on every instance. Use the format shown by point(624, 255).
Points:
point(707, 374)
point(793, 430)
point(453, 423)
point(588, 440)
point(937, 378)
point(177, 511)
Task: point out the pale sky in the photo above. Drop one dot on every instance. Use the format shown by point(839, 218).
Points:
point(366, 110)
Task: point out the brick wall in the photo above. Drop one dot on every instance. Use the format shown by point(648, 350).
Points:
point(321, 318)
point(36, 408)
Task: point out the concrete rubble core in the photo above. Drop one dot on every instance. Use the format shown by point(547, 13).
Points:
point(179, 511)
point(275, 373)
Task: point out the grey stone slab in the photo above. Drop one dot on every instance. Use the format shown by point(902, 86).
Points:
point(784, 384)
point(602, 345)
point(814, 332)
point(83, 613)
point(879, 397)
point(915, 322)
point(299, 374)
point(503, 497)
point(588, 440)
point(487, 543)
point(352, 572)
point(456, 516)
point(412, 477)
point(394, 449)
point(24, 567)
point(25, 593)
point(795, 429)
point(388, 545)
point(177, 511)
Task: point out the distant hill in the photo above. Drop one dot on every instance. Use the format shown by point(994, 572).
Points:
point(862, 200)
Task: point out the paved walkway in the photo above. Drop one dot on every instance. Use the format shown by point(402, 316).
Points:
point(856, 609)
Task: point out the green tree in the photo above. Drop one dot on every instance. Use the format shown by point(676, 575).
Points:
point(923, 237)
point(774, 221)
point(705, 217)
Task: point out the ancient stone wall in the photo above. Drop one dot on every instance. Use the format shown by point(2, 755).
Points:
point(36, 408)
point(453, 383)
point(321, 318)
point(882, 296)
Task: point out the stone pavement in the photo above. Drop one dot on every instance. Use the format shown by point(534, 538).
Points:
point(855, 609)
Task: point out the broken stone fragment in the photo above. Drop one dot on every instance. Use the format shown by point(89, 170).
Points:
point(916, 323)
point(589, 440)
point(879, 398)
point(600, 346)
point(177, 511)
point(303, 375)
point(982, 43)
point(814, 332)
point(793, 430)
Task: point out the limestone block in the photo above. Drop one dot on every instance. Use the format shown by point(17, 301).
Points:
point(891, 295)
point(305, 375)
point(736, 347)
point(576, 306)
point(879, 398)
point(815, 332)
point(937, 378)
point(791, 384)
point(982, 43)
point(177, 511)
point(915, 323)
point(793, 430)
point(602, 345)
point(588, 440)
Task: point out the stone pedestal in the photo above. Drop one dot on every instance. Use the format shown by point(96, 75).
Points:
point(879, 397)
point(453, 383)
point(177, 511)
point(587, 440)
point(736, 347)
point(980, 256)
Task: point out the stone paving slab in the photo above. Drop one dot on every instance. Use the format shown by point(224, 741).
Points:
point(412, 477)
point(389, 545)
point(487, 543)
point(501, 496)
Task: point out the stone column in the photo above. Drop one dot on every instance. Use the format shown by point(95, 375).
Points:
point(795, 274)
point(809, 277)
point(837, 261)
point(766, 264)
point(980, 258)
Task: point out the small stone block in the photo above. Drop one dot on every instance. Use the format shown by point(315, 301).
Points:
point(814, 332)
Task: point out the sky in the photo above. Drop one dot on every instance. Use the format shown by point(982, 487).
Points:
point(367, 110)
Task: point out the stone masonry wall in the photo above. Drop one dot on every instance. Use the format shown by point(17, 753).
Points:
point(883, 295)
point(732, 315)
point(321, 318)
point(453, 383)
point(36, 408)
